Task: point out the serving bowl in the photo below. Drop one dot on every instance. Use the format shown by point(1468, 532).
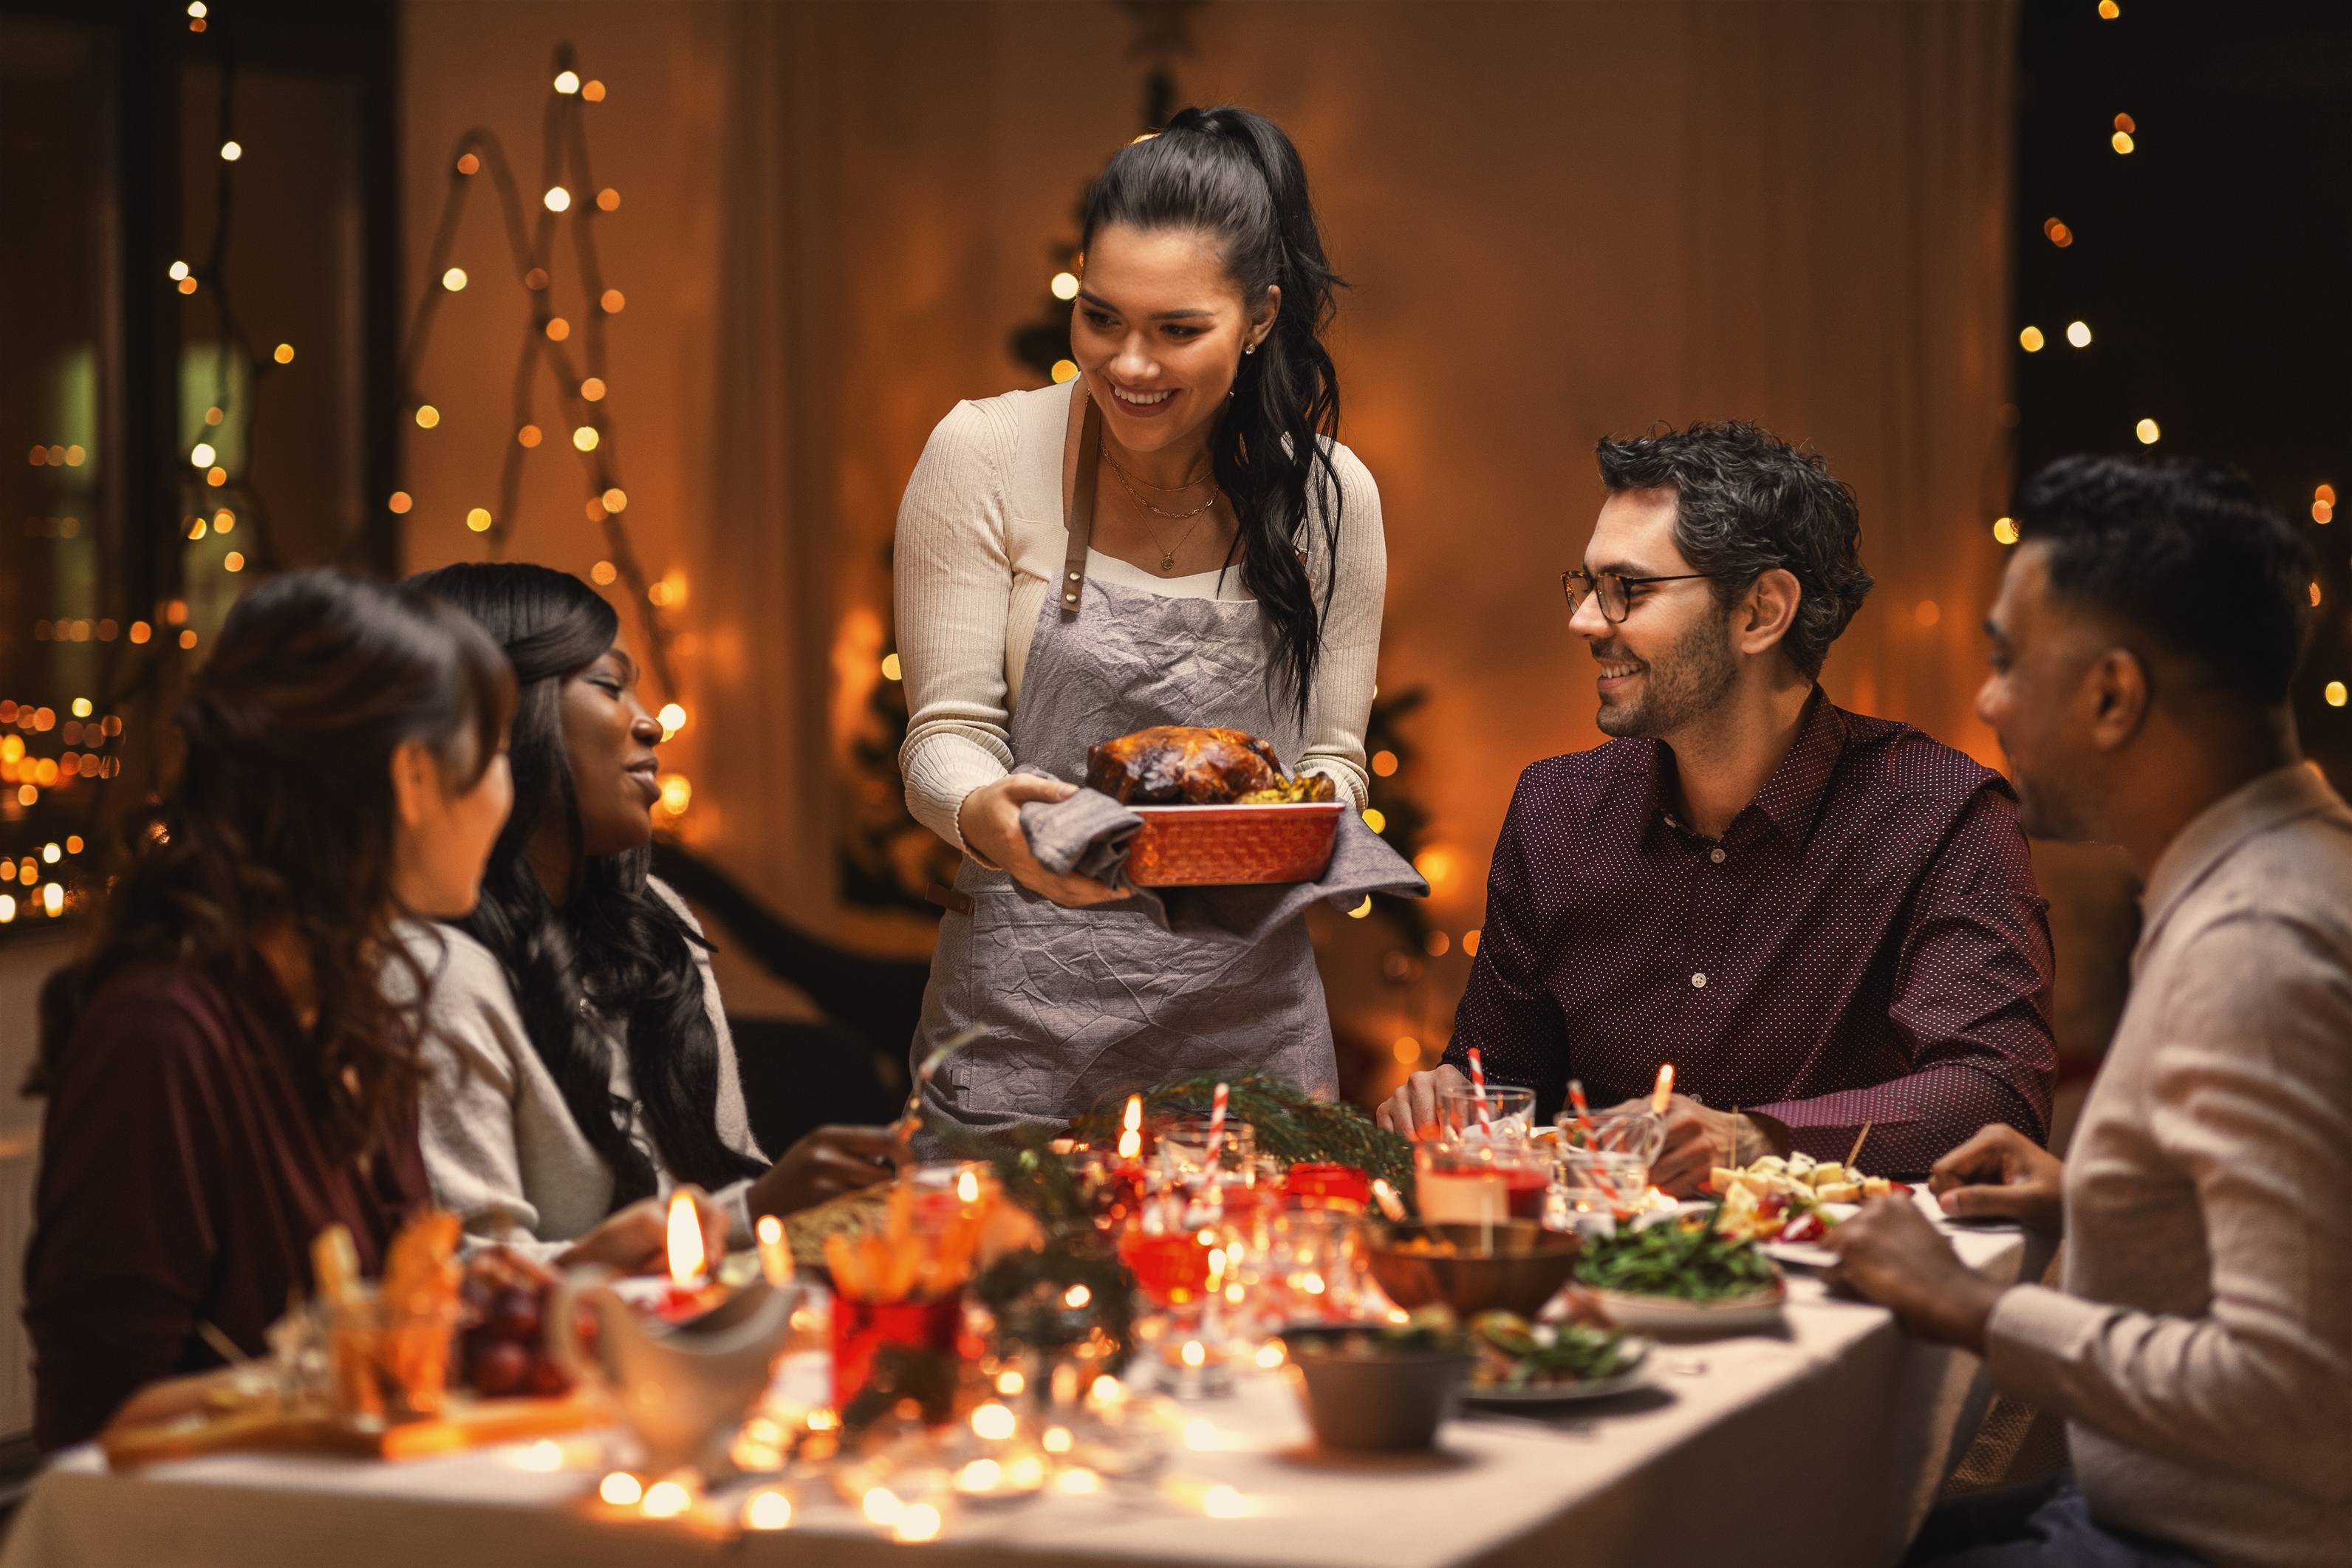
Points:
point(1381, 1401)
point(1515, 1266)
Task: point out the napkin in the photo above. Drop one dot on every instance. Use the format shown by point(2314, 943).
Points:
point(1089, 835)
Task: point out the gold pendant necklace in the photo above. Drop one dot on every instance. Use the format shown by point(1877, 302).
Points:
point(1129, 486)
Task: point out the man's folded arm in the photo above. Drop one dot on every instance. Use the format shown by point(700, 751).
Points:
point(1969, 1011)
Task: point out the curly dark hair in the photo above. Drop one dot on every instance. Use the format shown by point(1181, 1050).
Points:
point(2185, 551)
point(1233, 175)
point(613, 946)
point(280, 815)
point(1747, 502)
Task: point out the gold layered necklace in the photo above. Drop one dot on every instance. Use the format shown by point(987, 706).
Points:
point(1147, 511)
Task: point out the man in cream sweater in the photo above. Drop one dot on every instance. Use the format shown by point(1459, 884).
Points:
point(2201, 1345)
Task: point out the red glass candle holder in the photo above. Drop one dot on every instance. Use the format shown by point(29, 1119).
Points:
point(863, 1330)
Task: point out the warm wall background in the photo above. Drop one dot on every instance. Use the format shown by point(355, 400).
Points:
point(1561, 221)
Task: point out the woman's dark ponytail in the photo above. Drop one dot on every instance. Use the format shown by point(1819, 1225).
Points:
point(1235, 174)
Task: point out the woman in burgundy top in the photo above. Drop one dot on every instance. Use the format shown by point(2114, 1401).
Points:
point(224, 1074)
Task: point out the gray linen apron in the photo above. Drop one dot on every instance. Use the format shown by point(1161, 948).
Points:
point(1082, 1007)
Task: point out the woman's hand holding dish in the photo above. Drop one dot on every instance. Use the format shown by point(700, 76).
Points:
point(990, 821)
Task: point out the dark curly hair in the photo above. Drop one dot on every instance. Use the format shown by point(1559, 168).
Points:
point(613, 946)
point(1233, 175)
point(1747, 502)
point(2185, 551)
point(280, 815)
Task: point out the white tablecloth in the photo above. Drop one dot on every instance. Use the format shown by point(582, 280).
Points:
point(1822, 1443)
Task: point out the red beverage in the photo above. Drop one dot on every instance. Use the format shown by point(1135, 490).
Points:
point(861, 1330)
point(1240, 1200)
point(1525, 1191)
point(1172, 1269)
point(1472, 1192)
point(1319, 1184)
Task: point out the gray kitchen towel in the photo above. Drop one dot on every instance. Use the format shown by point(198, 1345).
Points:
point(1089, 835)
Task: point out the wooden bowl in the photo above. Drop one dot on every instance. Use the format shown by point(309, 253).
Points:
point(1513, 1267)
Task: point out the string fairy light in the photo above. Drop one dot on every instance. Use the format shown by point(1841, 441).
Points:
point(213, 492)
point(2123, 137)
point(582, 384)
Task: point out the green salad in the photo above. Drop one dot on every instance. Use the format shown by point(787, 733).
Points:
point(1515, 1353)
point(1688, 1262)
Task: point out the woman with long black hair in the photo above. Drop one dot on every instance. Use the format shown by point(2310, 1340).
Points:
point(226, 1077)
point(1177, 537)
point(580, 1064)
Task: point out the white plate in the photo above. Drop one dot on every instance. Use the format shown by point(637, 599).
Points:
point(1811, 1254)
point(1668, 1315)
point(1634, 1376)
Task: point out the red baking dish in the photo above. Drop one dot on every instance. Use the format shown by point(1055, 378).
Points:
point(1202, 846)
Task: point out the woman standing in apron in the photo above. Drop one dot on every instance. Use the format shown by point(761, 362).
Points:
point(1176, 536)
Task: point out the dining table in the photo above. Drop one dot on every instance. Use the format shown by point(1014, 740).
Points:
point(1819, 1439)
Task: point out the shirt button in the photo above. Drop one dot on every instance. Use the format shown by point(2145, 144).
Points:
point(1714, 855)
point(1699, 981)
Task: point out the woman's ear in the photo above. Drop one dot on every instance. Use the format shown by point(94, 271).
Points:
point(415, 783)
point(1771, 609)
point(1262, 319)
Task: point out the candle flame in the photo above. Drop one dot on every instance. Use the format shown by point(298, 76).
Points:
point(1130, 1141)
point(1664, 1091)
point(775, 1258)
point(1385, 1195)
point(687, 1258)
point(968, 1187)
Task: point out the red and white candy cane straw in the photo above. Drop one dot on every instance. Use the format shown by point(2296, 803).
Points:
point(1583, 1111)
point(1216, 1138)
point(1479, 1092)
point(1591, 1137)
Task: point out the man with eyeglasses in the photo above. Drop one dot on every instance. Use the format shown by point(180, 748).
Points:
point(1826, 922)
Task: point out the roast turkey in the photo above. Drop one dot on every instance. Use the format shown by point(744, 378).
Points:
point(1186, 764)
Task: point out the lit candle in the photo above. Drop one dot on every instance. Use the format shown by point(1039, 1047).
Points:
point(1385, 1195)
point(775, 1258)
point(1665, 1092)
point(1131, 1140)
point(688, 1263)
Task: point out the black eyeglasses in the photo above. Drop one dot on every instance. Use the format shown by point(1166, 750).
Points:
point(1578, 585)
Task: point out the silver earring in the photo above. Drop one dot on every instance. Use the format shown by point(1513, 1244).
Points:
point(1249, 347)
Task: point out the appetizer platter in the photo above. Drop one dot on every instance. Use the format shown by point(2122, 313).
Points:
point(1793, 1202)
point(1523, 1362)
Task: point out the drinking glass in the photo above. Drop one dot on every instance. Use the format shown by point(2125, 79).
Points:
point(1184, 1148)
point(1314, 1266)
point(1631, 1127)
point(1617, 1177)
point(1510, 1111)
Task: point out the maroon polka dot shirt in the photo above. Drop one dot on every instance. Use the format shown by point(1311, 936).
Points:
point(1866, 943)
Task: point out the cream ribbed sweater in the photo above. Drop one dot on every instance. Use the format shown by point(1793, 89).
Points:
point(980, 541)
